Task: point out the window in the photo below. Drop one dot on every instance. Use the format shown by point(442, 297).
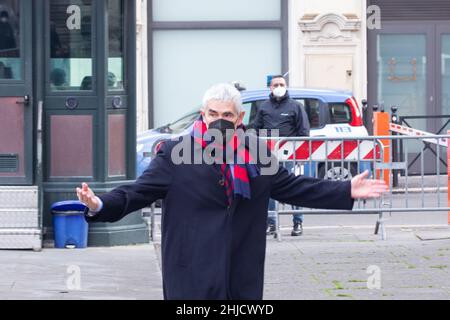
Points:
point(402, 66)
point(311, 106)
point(116, 45)
point(312, 109)
point(187, 62)
point(340, 113)
point(217, 10)
point(10, 61)
point(70, 45)
point(184, 123)
point(198, 43)
point(251, 108)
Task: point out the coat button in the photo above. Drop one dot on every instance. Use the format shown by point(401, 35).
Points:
point(221, 182)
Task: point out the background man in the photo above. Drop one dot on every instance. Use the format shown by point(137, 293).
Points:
point(289, 117)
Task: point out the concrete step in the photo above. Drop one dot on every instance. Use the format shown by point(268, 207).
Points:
point(21, 238)
point(19, 218)
point(19, 197)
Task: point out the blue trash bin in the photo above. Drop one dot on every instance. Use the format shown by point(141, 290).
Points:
point(69, 225)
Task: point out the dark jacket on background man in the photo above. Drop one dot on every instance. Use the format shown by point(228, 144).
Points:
point(212, 250)
point(284, 114)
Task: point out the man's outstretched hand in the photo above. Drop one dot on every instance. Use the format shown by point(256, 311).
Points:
point(87, 196)
point(367, 188)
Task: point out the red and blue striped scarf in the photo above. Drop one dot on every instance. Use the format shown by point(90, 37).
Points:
point(237, 175)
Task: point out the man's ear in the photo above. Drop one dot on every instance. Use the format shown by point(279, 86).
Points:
point(240, 119)
point(204, 117)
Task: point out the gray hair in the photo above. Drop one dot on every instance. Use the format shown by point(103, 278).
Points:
point(223, 92)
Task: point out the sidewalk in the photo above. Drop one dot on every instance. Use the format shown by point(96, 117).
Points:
point(105, 273)
point(325, 263)
point(333, 264)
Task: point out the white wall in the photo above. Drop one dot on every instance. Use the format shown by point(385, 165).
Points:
point(142, 63)
point(351, 43)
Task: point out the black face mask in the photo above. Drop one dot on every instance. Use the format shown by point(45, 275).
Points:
point(222, 125)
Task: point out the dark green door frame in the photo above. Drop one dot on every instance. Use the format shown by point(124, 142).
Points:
point(16, 90)
point(95, 109)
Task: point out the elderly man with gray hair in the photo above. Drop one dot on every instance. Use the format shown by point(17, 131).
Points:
point(214, 214)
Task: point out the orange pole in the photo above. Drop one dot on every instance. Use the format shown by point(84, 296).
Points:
point(381, 128)
point(448, 175)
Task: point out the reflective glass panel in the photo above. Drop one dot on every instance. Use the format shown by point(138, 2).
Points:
point(70, 45)
point(10, 61)
point(402, 74)
point(219, 10)
point(116, 45)
point(187, 62)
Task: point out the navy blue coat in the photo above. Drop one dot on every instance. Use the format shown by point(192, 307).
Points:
point(211, 250)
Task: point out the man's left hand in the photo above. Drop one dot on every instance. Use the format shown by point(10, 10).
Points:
point(367, 188)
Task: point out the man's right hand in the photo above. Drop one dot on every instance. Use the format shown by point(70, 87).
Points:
point(87, 196)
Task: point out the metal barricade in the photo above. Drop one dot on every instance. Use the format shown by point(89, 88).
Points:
point(326, 157)
point(340, 158)
point(427, 145)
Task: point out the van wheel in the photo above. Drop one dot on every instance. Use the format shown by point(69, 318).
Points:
point(337, 172)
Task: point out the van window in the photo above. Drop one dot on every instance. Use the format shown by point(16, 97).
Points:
point(340, 113)
point(312, 107)
point(183, 123)
point(251, 108)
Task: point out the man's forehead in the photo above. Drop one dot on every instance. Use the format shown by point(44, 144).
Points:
point(278, 80)
point(221, 106)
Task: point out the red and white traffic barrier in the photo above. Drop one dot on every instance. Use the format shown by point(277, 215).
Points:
point(407, 131)
point(348, 150)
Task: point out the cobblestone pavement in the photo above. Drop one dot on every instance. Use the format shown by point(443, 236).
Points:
point(330, 261)
point(345, 263)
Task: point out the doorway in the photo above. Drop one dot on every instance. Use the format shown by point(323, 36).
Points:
point(16, 120)
point(409, 67)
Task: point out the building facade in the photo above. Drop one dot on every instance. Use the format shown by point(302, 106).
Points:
point(387, 52)
point(67, 113)
point(194, 44)
point(78, 78)
point(409, 60)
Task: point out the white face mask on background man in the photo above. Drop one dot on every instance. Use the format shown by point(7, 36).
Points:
point(279, 92)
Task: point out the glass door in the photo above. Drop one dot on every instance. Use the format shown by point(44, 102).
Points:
point(443, 73)
point(443, 86)
point(71, 101)
point(402, 68)
point(16, 109)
